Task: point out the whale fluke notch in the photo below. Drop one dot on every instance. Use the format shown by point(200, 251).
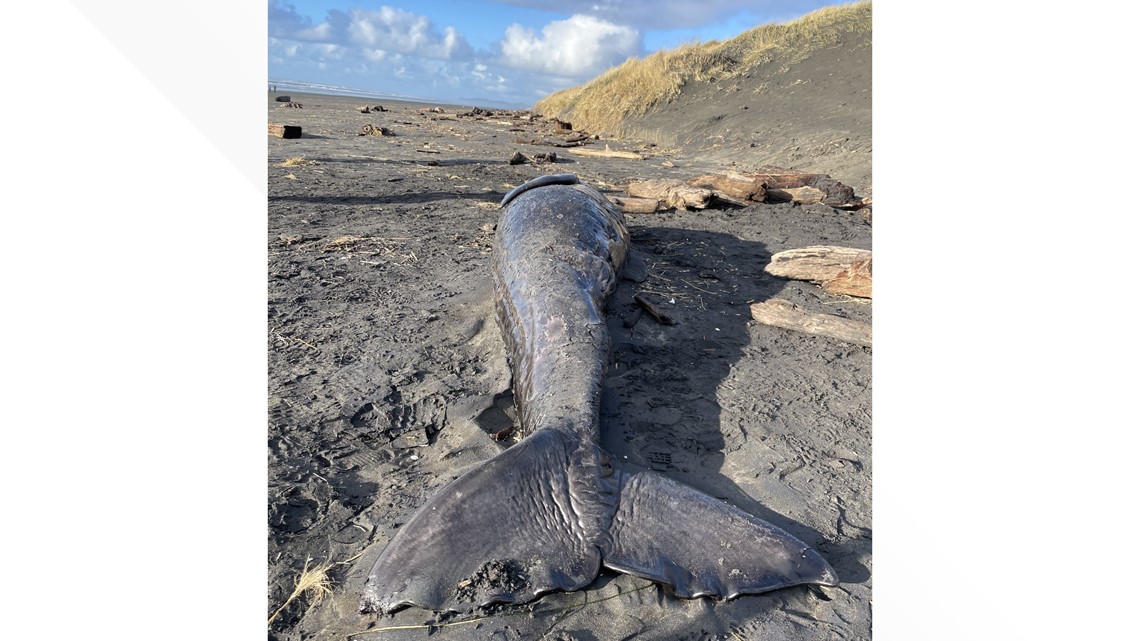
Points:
point(541, 517)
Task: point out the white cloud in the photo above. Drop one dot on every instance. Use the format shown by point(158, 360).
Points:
point(392, 29)
point(669, 14)
point(580, 46)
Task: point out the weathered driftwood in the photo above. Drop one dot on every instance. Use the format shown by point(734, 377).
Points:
point(372, 130)
point(283, 99)
point(853, 281)
point(547, 142)
point(781, 313)
point(605, 153)
point(670, 194)
point(654, 310)
point(818, 263)
point(285, 131)
point(802, 195)
point(635, 205)
point(732, 186)
point(835, 193)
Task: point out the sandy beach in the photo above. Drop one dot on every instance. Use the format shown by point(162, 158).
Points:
point(387, 375)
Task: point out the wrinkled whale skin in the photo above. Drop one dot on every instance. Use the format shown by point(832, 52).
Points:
point(547, 513)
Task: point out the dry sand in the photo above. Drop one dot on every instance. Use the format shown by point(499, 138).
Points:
point(387, 372)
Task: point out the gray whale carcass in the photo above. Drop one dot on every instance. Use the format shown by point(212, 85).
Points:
point(549, 512)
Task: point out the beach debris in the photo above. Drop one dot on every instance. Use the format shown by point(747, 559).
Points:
point(283, 99)
point(839, 270)
point(372, 130)
point(563, 125)
point(801, 187)
point(853, 281)
point(517, 159)
point(606, 153)
point(781, 313)
point(549, 142)
point(366, 109)
point(770, 184)
point(635, 205)
point(670, 193)
point(647, 302)
point(546, 156)
point(733, 186)
point(290, 105)
point(285, 131)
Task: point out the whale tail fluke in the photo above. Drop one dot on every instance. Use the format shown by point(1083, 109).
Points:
point(700, 546)
point(494, 535)
point(547, 513)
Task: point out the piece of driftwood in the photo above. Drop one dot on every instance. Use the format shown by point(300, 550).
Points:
point(778, 312)
point(285, 131)
point(835, 193)
point(818, 263)
point(635, 205)
point(670, 193)
point(653, 309)
point(605, 153)
point(372, 130)
point(517, 159)
point(802, 195)
point(853, 281)
point(283, 99)
point(732, 186)
point(547, 142)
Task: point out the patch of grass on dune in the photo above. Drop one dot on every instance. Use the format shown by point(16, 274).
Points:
point(634, 87)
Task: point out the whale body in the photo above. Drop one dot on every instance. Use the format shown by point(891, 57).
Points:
point(549, 512)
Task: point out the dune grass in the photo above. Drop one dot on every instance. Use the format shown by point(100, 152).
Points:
point(634, 87)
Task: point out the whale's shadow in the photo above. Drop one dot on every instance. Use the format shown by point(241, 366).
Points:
point(664, 405)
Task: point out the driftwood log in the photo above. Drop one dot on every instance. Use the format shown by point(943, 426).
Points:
point(778, 312)
point(853, 281)
point(285, 131)
point(605, 153)
point(670, 194)
point(734, 186)
point(818, 263)
point(802, 195)
point(788, 183)
point(635, 205)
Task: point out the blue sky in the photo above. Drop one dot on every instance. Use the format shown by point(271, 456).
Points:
point(506, 52)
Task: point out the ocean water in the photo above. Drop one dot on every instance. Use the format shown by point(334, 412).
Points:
point(285, 86)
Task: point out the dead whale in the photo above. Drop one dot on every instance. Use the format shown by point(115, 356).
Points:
point(549, 512)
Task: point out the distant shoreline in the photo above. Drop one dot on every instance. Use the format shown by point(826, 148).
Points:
point(288, 88)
